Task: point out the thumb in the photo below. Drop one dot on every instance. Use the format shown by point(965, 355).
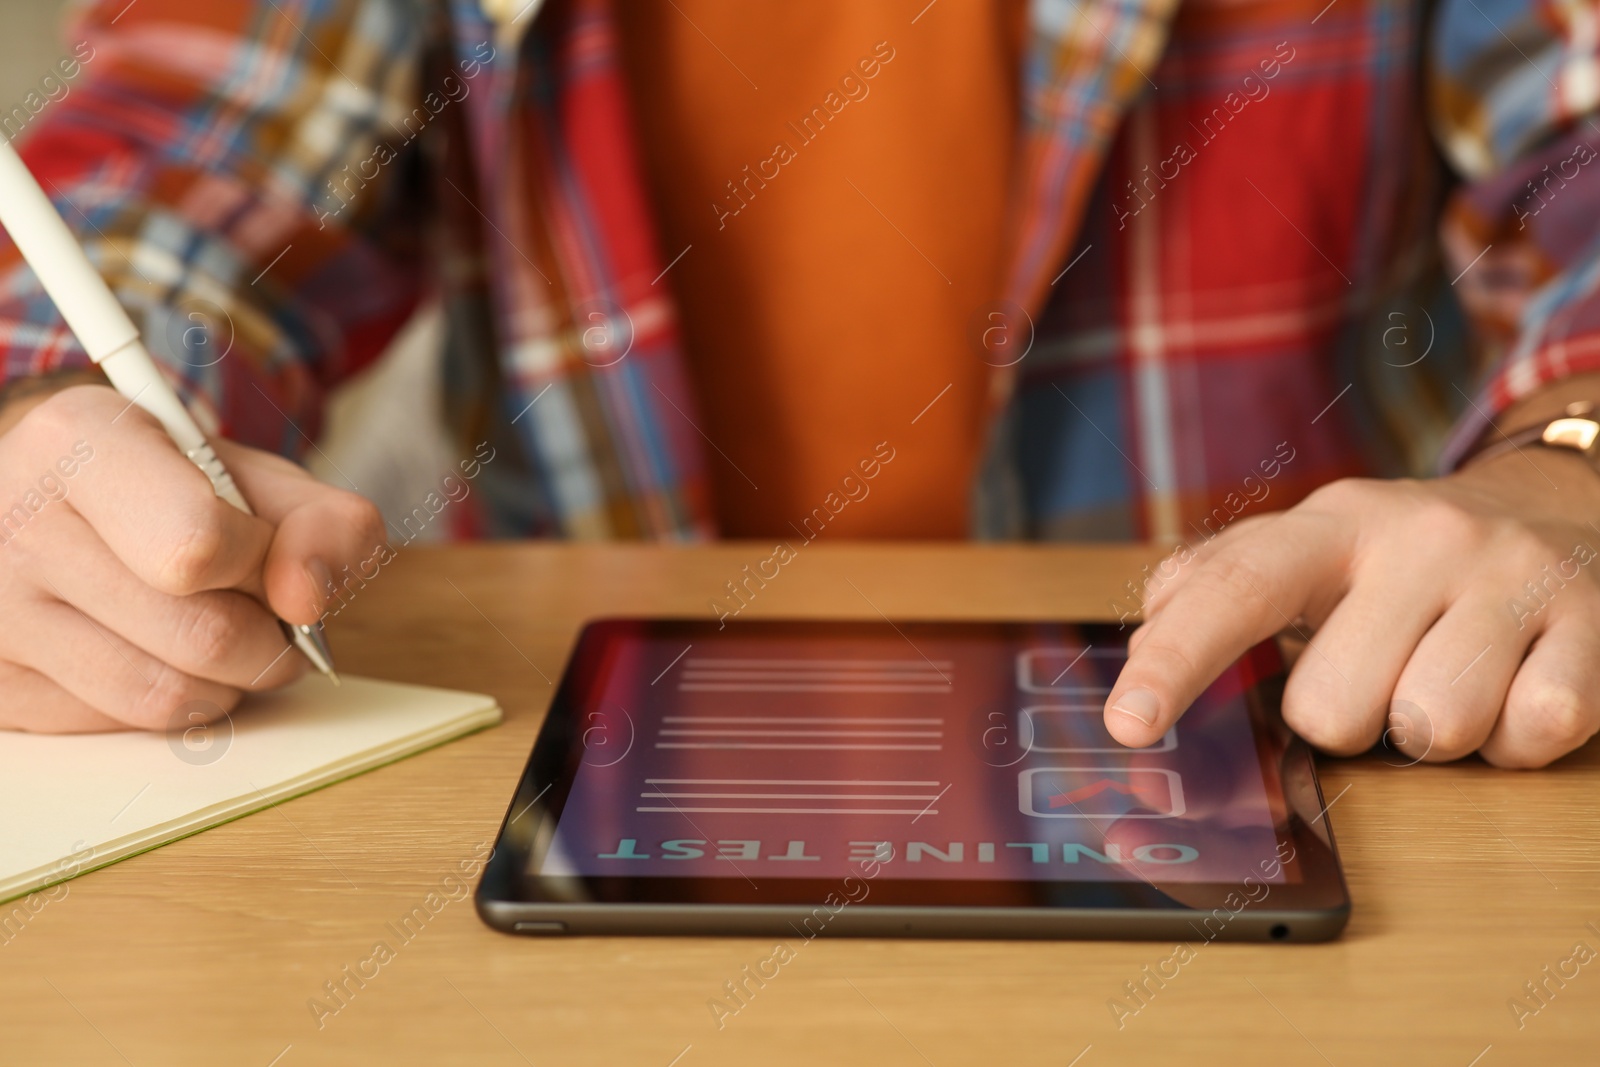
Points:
point(323, 536)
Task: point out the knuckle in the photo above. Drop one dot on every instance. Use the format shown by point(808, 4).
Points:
point(1231, 578)
point(189, 556)
point(169, 690)
point(1522, 549)
point(1316, 711)
point(1161, 659)
point(1164, 580)
point(360, 516)
point(51, 418)
point(65, 413)
point(1332, 732)
point(1448, 525)
point(208, 634)
point(1448, 737)
point(1556, 716)
point(1341, 494)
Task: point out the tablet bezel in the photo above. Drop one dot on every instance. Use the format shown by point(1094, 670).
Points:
point(1311, 903)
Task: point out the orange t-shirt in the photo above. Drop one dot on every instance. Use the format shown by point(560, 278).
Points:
point(838, 176)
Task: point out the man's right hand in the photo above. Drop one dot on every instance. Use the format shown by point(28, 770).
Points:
point(131, 595)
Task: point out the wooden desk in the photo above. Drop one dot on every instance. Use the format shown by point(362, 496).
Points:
point(1467, 882)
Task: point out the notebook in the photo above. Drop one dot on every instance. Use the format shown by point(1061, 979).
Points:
point(71, 804)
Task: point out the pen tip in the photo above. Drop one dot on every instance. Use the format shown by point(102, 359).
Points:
point(333, 676)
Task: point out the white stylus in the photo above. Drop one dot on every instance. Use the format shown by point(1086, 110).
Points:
point(112, 341)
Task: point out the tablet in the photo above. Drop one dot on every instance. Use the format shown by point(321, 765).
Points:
point(905, 779)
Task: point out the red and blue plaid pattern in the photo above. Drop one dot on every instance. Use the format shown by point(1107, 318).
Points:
point(1226, 234)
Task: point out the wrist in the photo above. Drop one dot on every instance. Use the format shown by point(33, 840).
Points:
point(1546, 404)
point(1533, 479)
point(1536, 482)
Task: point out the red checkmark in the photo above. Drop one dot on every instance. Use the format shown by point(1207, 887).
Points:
point(1093, 789)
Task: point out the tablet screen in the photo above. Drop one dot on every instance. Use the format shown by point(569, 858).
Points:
point(967, 752)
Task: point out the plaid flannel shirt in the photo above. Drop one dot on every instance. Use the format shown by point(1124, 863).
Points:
point(1241, 264)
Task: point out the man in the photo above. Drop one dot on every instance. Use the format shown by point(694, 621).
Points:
point(701, 261)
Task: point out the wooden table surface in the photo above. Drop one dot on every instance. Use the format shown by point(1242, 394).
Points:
point(1467, 883)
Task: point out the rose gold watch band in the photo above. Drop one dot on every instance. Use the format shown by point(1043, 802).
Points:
point(1576, 431)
